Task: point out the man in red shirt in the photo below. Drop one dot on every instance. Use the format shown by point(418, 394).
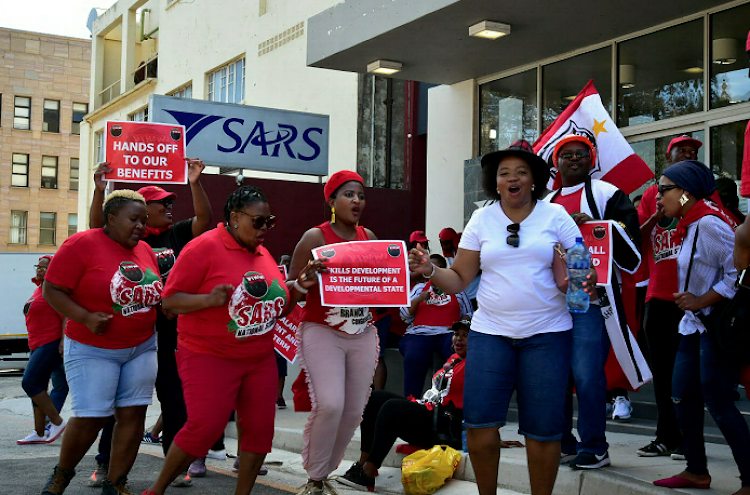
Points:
point(662, 316)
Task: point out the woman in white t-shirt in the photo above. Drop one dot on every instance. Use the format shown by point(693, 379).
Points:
point(520, 335)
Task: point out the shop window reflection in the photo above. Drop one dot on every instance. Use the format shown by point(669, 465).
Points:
point(563, 80)
point(661, 74)
point(729, 68)
point(508, 111)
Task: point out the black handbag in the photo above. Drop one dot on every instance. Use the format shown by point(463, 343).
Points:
point(729, 322)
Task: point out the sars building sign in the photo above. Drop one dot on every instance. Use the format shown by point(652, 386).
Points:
point(241, 136)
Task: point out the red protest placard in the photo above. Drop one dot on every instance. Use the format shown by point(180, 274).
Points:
point(598, 238)
point(285, 334)
point(146, 152)
point(283, 271)
point(364, 273)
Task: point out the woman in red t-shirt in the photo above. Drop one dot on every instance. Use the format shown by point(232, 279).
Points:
point(44, 326)
point(338, 346)
point(106, 282)
point(228, 292)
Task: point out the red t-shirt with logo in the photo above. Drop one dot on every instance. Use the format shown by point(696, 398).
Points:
point(572, 201)
point(242, 328)
point(43, 323)
point(352, 320)
point(745, 184)
point(660, 248)
point(106, 277)
point(439, 310)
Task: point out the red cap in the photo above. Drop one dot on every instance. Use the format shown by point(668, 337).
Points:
point(339, 178)
point(684, 139)
point(155, 193)
point(418, 236)
point(447, 234)
point(570, 138)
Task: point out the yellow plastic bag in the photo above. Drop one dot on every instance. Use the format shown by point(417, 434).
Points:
point(424, 471)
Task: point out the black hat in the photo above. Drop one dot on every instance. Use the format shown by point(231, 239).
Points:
point(523, 150)
point(463, 322)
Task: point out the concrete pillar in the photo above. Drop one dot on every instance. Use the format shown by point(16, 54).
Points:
point(449, 142)
point(97, 71)
point(86, 164)
point(127, 60)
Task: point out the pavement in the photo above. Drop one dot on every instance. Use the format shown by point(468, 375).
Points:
point(23, 469)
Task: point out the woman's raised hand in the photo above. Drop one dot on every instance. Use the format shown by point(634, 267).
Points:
point(419, 262)
point(308, 276)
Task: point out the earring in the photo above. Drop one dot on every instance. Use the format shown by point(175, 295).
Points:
point(533, 187)
point(236, 226)
point(357, 224)
point(684, 199)
point(333, 214)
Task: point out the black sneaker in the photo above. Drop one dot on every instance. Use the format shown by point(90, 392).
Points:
point(281, 403)
point(58, 481)
point(355, 477)
point(97, 477)
point(587, 460)
point(678, 454)
point(654, 449)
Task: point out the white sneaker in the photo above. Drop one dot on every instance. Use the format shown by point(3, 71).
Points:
point(34, 438)
point(55, 431)
point(622, 410)
point(220, 455)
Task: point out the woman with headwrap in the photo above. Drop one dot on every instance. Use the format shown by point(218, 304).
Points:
point(45, 328)
point(702, 375)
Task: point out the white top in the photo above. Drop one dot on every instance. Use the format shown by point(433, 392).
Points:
point(518, 296)
point(713, 266)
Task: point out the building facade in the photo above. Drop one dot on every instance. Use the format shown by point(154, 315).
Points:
point(662, 69)
point(44, 94)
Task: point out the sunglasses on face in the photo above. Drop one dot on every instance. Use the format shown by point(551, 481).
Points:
point(40, 267)
point(259, 220)
point(662, 189)
point(580, 155)
point(166, 202)
point(513, 239)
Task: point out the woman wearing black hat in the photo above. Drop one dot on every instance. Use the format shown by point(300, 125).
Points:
point(702, 375)
point(520, 336)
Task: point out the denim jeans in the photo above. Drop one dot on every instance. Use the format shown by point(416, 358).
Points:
point(418, 351)
point(702, 375)
point(590, 351)
point(45, 363)
point(534, 367)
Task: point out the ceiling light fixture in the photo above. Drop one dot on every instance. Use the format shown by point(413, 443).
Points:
point(627, 76)
point(724, 51)
point(694, 70)
point(490, 30)
point(384, 67)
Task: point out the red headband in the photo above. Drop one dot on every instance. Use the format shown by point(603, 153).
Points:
point(339, 178)
point(575, 138)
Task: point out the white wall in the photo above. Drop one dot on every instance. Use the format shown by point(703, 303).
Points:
point(449, 142)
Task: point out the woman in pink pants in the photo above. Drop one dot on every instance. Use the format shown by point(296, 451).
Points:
point(338, 346)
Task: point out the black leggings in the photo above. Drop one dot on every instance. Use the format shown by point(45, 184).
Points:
point(389, 416)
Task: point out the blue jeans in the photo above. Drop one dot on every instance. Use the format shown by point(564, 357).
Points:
point(418, 351)
point(701, 376)
point(45, 363)
point(535, 367)
point(590, 351)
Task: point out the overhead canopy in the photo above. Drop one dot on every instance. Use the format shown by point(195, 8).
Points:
point(431, 37)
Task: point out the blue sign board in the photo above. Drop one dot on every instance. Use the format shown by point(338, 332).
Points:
point(241, 136)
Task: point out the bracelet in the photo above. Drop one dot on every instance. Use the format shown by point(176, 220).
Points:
point(434, 268)
point(299, 288)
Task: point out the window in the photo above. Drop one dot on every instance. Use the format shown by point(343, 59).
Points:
point(183, 92)
point(727, 144)
point(563, 80)
point(729, 82)
point(508, 111)
point(20, 172)
point(22, 113)
point(654, 153)
point(18, 227)
point(227, 84)
point(99, 140)
point(49, 172)
point(79, 110)
point(51, 116)
point(72, 223)
point(661, 74)
point(74, 174)
point(139, 116)
point(47, 225)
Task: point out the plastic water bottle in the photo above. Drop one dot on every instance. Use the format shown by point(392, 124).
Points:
point(579, 263)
